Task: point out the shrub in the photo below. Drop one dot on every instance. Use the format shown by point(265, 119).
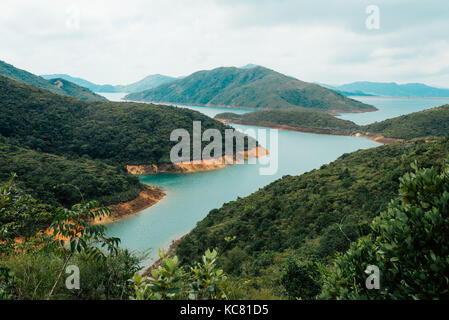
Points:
point(409, 245)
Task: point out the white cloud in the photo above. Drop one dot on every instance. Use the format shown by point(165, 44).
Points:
point(323, 41)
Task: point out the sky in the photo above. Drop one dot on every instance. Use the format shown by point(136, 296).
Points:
point(333, 42)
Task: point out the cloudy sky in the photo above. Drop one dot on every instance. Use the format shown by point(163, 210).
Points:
point(119, 42)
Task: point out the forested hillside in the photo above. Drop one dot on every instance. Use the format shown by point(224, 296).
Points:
point(120, 133)
point(57, 180)
point(256, 87)
point(146, 83)
point(291, 119)
point(58, 86)
point(427, 123)
point(306, 218)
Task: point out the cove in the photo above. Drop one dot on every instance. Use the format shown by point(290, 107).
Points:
point(190, 197)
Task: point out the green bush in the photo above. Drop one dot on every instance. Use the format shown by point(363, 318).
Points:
point(20, 214)
point(301, 281)
point(409, 245)
point(170, 281)
point(36, 272)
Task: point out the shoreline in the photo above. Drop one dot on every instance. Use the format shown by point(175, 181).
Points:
point(195, 165)
point(224, 106)
point(146, 198)
point(372, 137)
point(406, 98)
point(171, 249)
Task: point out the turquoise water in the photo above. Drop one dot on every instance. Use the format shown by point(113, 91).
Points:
point(208, 111)
point(113, 96)
point(390, 108)
point(191, 196)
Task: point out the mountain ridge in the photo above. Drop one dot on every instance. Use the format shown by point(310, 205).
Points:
point(119, 133)
point(393, 89)
point(148, 82)
point(64, 88)
point(257, 87)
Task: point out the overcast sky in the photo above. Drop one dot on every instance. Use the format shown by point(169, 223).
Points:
point(119, 42)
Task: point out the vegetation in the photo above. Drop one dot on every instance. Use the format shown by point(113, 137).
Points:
point(306, 218)
point(276, 243)
point(33, 267)
point(409, 245)
point(427, 123)
point(34, 274)
point(149, 82)
point(256, 87)
point(20, 215)
point(301, 119)
point(119, 133)
point(170, 281)
point(58, 86)
point(59, 181)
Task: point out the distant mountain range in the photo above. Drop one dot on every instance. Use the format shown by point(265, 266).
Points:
point(392, 89)
point(345, 92)
point(58, 85)
point(254, 87)
point(146, 83)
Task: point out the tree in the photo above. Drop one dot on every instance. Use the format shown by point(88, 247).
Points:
point(8, 284)
point(73, 227)
point(20, 214)
point(409, 245)
point(301, 280)
point(170, 281)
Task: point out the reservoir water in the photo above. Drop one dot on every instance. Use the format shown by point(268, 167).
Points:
point(391, 107)
point(191, 196)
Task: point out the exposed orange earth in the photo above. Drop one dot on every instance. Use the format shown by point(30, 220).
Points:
point(196, 165)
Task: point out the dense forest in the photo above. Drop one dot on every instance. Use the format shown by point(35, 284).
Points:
point(433, 122)
point(58, 86)
point(301, 119)
point(427, 123)
point(305, 219)
point(59, 181)
point(309, 236)
point(119, 133)
point(256, 87)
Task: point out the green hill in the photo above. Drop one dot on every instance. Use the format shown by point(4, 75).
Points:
point(302, 120)
point(149, 82)
point(256, 87)
point(146, 83)
point(81, 82)
point(120, 133)
point(427, 123)
point(58, 86)
point(392, 89)
point(58, 180)
point(306, 218)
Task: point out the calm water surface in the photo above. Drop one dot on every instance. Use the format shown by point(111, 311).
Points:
point(390, 108)
point(191, 196)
